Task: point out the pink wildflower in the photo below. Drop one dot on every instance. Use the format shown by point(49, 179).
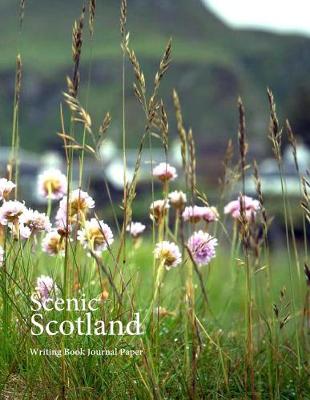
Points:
point(135, 229)
point(46, 288)
point(194, 214)
point(168, 253)
point(53, 244)
point(177, 199)
point(165, 172)
point(52, 184)
point(158, 209)
point(95, 235)
point(79, 203)
point(10, 211)
point(5, 188)
point(34, 221)
point(250, 207)
point(202, 247)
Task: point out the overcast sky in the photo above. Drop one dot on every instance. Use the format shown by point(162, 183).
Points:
point(280, 15)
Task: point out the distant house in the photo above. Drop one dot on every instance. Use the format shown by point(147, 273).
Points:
point(270, 176)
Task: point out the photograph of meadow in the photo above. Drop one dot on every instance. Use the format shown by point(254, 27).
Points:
point(154, 202)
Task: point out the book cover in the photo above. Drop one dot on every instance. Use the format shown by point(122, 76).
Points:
point(154, 200)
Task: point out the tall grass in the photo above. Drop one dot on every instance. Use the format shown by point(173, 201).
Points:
point(235, 328)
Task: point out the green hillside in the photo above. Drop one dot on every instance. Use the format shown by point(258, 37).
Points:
point(212, 65)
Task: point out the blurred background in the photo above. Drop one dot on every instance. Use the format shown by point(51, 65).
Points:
point(221, 49)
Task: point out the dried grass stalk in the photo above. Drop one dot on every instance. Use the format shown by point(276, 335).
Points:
point(79, 114)
point(305, 204)
point(138, 72)
point(91, 12)
point(123, 19)
point(105, 124)
point(77, 41)
point(258, 184)
point(18, 79)
point(181, 129)
point(163, 67)
point(164, 126)
point(243, 145)
point(21, 13)
point(293, 142)
point(275, 132)
point(192, 163)
point(164, 64)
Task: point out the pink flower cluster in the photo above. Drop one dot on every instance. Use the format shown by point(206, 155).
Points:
point(195, 214)
point(158, 210)
point(165, 172)
point(53, 244)
point(52, 184)
point(77, 204)
point(73, 210)
point(10, 211)
point(93, 234)
point(96, 236)
point(177, 199)
point(32, 222)
point(6, 188)
point(244, 204)
point(135, 229)
point(46, 288)
point(168, 253)
point(23, 222)
point(202, 247)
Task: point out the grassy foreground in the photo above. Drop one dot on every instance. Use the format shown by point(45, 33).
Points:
point(165, 366)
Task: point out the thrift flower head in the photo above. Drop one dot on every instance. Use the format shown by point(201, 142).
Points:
point(249, 205)
point(5, 188)
point(195, 214)
point(192, 214)
point(177, 199)
point(135, 229)
point(24, 232)
point(46, 288)
point(95, 235)
point(169, 253)
point(202, 247)
point(53, 244)
point(52, 184)
point(79, 203)
point(165, 172)
point(63, 228)
point(34, 221)
point(10, 212)
point(158, 210)
point(1, 256)
point(210, 214)
point(61, 218)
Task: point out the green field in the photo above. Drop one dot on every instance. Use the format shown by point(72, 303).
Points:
point(166, 366)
